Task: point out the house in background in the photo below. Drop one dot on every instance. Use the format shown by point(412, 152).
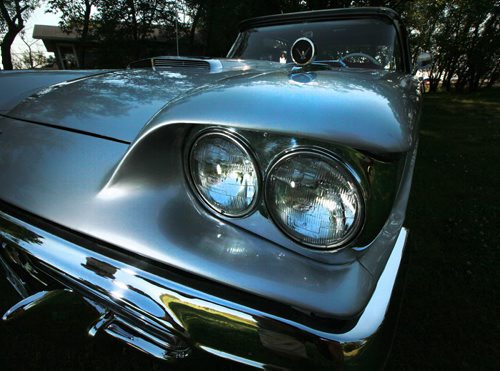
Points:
point(67, 47)
point(71, 53)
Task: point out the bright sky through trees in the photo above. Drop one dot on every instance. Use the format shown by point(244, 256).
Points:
point(38, 17)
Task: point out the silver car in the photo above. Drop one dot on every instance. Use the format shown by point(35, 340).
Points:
point(250, 207)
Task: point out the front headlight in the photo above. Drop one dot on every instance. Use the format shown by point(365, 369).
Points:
point(224, 173)
point(314, 199)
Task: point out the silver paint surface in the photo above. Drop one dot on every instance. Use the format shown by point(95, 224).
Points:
point(324, 103)
point(18, 85)
point(135, 197)
point(116, 104)
point(60, 176)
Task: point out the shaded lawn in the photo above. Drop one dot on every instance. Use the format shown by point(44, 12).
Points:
point(449, 316)
point(450, 312)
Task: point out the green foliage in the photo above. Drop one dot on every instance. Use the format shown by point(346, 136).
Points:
point(74, 13)
point(30, 60)
point(462, 35)
point(13, 14)
point(134, 29)
point(121, 30)
point(464, 38)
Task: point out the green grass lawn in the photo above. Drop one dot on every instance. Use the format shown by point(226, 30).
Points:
point(450, 312)
point(449, 315)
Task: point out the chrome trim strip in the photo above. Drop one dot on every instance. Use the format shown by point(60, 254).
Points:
point(13, 278)
point(101, 323)
point(313, 54)
point(136, 341)
point(30, 302)
point(234, 358)
point(162, 308)
point(373, 316)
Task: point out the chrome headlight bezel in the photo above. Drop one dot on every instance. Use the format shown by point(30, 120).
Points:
point(347, 172)
point(245, 148)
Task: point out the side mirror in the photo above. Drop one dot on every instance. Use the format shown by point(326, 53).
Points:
point(423, 61)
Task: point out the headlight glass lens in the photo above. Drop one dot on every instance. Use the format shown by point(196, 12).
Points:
point(314, 199)
point(224, 174)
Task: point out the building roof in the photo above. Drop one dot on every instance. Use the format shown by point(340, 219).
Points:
point(55, 33)
point(44, 32)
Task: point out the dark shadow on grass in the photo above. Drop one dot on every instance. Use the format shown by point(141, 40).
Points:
point(449, 318)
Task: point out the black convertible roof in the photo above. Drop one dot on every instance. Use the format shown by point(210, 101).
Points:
point(319, 15)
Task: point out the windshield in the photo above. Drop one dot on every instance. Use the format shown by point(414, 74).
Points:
point(358, 43)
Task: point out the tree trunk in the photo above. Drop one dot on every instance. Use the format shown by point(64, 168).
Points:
point(493, 80)
point(210, 21)
point(6, 45)
point(493, 76)
point(85, 31)
point(135, 29)
point(194, 25)
point(450, 72)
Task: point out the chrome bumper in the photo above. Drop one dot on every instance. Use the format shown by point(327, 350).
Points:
point(167, 313)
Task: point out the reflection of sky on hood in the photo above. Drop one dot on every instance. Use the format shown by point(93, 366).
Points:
point(174, 75)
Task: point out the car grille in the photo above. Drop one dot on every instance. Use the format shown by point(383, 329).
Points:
point(181, 63)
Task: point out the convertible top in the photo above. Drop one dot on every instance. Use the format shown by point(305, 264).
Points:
point(319, 15)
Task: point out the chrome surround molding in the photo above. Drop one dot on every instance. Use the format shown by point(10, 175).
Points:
point(150, 309)
point(309, 61)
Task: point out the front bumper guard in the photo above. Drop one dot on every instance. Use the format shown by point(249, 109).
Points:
point(166, 316)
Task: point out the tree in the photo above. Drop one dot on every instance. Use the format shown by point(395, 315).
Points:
point(217, 20)
point(14, 13)
point(32, 57)
point(463, 37)
point(75, 16)
point(135, 29)
point(123, 30)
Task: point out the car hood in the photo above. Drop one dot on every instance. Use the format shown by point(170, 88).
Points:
point(363, 109)
point(17, 85)
point(116, 104)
